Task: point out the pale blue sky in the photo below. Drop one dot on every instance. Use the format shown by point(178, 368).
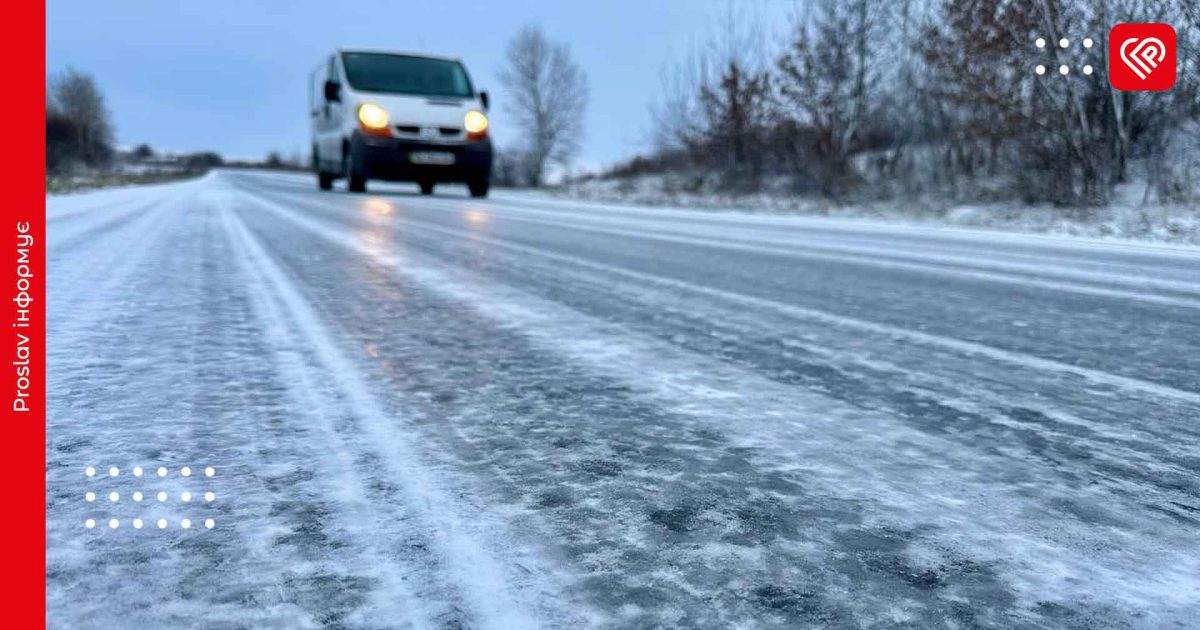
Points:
point(230, 75)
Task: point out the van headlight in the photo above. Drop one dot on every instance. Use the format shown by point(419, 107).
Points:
point(476, 124)
point(373, 117)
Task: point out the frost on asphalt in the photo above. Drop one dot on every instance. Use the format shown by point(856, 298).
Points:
point(444, 413)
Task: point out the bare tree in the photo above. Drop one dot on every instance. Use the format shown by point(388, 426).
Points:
point(825, 92)
point(548, 93)
point(736, 113)
point(74, 98)
point(714, 110)
point(957, 98)
point(676, 109)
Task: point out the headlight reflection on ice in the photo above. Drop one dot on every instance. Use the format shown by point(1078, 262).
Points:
point(378, 207)
point(476, 217)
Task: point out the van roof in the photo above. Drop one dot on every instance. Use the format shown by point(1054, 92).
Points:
point(395, 52)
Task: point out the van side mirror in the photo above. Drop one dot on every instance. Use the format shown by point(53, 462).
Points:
point(483, 98)
point(333, 91)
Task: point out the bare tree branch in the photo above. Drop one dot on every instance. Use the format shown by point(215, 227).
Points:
point(549, 94)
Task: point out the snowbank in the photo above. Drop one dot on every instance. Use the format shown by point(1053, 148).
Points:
point(1130, 216)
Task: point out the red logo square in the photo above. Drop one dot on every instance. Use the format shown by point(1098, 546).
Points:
point(1141, 57)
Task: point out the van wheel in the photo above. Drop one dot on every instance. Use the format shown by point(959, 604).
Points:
point(426, 188)
point(325, 181)
point(355, 182)
point(479, 186)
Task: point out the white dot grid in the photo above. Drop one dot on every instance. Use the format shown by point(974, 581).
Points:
point(162, 471)
point(161, 523)
point(1064, 70)
point(138, 471)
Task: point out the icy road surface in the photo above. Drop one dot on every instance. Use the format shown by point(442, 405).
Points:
point(518, 413)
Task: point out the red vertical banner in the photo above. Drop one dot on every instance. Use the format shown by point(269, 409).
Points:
point(23, 267)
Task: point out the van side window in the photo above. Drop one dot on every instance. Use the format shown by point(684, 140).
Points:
point(333, 74)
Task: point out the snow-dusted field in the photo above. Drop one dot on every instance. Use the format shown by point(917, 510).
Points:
point(527, 412)
point(1133, 212)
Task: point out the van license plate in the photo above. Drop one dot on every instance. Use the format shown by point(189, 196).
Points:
point(441, 158)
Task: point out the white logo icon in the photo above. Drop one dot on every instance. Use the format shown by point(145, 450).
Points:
point(1145, 56)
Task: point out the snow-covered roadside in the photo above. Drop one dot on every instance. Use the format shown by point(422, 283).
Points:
point(1128, 217)
point(124, 177)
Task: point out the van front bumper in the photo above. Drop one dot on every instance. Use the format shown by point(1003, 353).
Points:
point(392, 159)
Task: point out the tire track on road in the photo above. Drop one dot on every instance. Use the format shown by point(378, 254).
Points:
point(677, 385)
point(1020, 275)
point(959, 346)
point(494, 593)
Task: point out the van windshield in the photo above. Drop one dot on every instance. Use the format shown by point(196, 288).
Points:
point(401, 74)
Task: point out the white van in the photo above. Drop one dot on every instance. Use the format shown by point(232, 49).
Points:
point(398, 117)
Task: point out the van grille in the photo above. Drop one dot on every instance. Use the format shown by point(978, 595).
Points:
point(414, 130)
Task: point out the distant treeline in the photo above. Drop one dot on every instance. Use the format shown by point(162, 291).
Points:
point(878, 98)
point(80, 137)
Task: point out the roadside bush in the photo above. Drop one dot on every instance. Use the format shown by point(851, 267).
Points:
point(1175, 169)
point(871, 99)
point(62, 143)
point(78, 125)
